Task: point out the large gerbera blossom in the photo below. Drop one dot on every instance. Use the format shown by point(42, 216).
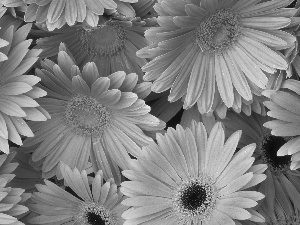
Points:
point(284, 106)
point(56, 13)
point(284, 182)
point(92, 117)
point(189, 178)
point(11, 199)
point(17, 91)
point(215, 47)
point(112, 45)
point(97, 205)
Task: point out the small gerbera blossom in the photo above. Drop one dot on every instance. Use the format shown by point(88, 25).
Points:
point(17, 91)
point(284, 106)
point(92, 117)
point(97, 205)
point(189, 178)
point(217, 47)
point(112, 45)
point(285, 183)
point(12, 199)
point(57, 13)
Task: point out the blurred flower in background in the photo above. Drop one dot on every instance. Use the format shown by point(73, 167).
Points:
point(111, 45)
point(57, 13)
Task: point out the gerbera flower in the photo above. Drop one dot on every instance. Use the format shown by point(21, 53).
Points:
point(284, 106)
point(284, 182)
point(189, 178)
point(112, 45)
point(96, 117)
point(99, 204)
point(217, 47)
point(56, 13)
point(12, 199)
point(17, 90)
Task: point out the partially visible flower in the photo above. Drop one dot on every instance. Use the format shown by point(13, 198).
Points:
point(12, 199)
point(218, 48)
point(58, 13)
point(283, 216)
point(284, 182)
point(112, 45)
point(190, 178)
point(97, 205)
point(17, 91)
point(26, 176)
point(12, 6)
point(102, 119)
point(284, 106)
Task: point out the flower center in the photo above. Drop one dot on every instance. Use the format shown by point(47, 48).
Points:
point(270, 145)
point(106, 40)
point(195, 198)
point(218, 32)
point(86, 116)
point(94, 214)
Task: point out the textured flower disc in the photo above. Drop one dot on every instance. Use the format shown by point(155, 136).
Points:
point(104, 41)
point(94, 214)
point(191, 178)
point(216, 48)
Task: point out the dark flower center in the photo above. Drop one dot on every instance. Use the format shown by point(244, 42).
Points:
point(91, 213)
point(194, 197)
point(104, 41)
point(218, 32)
point(270, 147)
point(95, 219)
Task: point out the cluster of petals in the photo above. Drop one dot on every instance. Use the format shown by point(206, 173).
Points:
point(17, 91)
point(57, 13)
point(54, 205)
